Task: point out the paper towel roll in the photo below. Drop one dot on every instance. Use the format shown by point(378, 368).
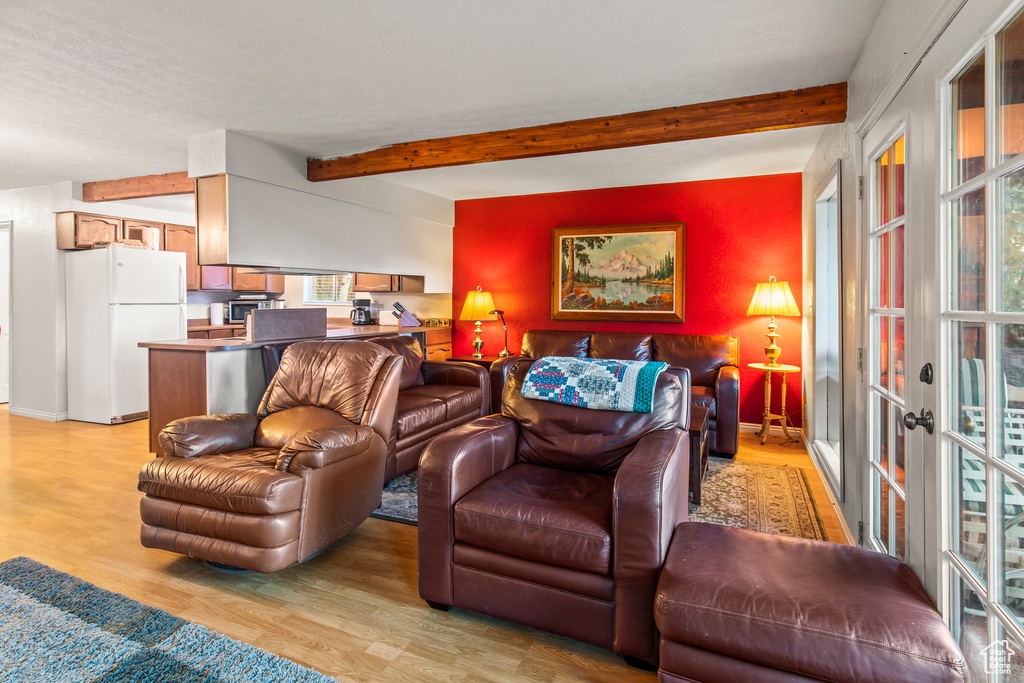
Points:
point(216, 314)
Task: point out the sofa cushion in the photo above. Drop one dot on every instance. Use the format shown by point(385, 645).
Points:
point(540, 343)
point(458, 399)
point(620, 346)
point(243, 481)
point(705, 398)
point(417, 411)
point(541, 514)
point(703, 354)
point(408, 347)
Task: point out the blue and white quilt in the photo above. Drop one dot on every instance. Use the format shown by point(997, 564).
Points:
point(601, 384)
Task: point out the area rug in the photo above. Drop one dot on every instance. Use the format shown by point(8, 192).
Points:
point(748, 495)
point(56, 627)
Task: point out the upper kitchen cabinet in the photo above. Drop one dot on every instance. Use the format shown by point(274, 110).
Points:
point(183, 238)
point(374, 282)
point(257, 282)
point(150, 234)
point(215, 278)
point(84, 230)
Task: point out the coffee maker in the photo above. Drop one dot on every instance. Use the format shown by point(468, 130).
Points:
point(360, 313)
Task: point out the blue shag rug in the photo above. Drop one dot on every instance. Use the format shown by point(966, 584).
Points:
point(56, 627)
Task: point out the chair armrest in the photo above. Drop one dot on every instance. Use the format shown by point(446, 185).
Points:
point(453, 464)
point(325, 446)
point(499, 371)
point(651, 497)
point(459, 374)
point(190, 437)
point(727, 400)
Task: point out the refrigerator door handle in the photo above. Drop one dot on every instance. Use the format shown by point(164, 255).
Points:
point(181, 284)
point(182, 330)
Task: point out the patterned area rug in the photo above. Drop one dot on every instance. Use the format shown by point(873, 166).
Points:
point(56, 627)
point(742, 494)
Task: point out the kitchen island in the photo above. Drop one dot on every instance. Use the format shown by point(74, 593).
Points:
point(210, 376)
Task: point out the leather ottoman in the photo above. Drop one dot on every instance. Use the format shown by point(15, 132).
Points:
point(792, 609)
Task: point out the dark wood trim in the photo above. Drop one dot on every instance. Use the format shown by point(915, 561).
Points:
point(773, 111)
point(138, 187)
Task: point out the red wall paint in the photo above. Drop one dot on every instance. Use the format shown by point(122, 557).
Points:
point(739, 231)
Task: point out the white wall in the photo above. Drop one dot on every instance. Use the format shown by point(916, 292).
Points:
point(38, 342)
point(902, 32)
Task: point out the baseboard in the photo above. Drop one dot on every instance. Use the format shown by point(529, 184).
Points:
point(773, 430)
point(836, 510)
point(37, 414)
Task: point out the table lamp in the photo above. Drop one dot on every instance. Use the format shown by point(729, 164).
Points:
point(501, 314)
point(478, 307)
point(773, 298)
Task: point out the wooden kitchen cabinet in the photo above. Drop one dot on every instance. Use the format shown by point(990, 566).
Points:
point(215, 277)
point(150, 234)
point(373, 282)
point(257, 282)
point(437, 344)
point(84, 230)
point(182, 238)
point(248, 282)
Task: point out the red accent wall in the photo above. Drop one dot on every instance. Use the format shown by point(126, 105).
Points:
point(739, 231)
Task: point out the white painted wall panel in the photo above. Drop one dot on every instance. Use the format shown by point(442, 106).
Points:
point(271, 225)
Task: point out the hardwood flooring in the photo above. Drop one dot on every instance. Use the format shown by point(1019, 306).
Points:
point(68, 498)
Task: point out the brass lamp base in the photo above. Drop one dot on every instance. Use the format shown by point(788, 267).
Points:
point(772, 351)
point(478, 343)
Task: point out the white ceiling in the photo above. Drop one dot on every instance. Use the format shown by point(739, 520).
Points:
point(114, 88)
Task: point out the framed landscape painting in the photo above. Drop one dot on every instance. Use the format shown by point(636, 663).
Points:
point(628, 272)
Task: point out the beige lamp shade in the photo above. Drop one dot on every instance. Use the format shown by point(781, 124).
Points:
point(773, 298)
point(478, 306)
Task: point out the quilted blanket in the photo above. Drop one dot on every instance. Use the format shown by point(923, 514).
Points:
point(601, 384)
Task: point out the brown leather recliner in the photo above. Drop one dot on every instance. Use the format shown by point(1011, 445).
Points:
point(557, 517)
point(712, 361)
point(265, 491)
point(433, 397)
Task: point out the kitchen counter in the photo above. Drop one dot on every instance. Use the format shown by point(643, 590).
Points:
point(239, 343)
point(202, 376)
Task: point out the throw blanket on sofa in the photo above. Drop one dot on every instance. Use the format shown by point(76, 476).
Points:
point(601, 384)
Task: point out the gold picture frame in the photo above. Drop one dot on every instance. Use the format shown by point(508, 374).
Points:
point(625, 272)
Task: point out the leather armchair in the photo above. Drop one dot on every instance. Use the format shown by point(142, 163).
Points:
point(265, 491)
point(557, 517)
point(712, 362)
point(433, 397)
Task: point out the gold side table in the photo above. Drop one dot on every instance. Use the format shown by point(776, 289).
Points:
point(768, 416)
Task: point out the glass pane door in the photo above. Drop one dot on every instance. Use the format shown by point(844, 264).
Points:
point(887, 388)
point(982, 443)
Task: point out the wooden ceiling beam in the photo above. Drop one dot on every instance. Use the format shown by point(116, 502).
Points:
point(773, 111)
point(138, 187)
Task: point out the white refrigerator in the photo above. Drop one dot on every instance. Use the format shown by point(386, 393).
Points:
point(116, 298)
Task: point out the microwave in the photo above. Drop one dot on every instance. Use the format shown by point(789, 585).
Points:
point(239, 309)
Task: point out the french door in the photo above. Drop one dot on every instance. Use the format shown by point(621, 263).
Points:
point(944, 245)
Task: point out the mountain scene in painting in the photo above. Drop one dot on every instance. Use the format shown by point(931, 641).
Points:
point(631, 272)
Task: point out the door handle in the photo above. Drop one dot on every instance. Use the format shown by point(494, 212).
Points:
point(926, 420)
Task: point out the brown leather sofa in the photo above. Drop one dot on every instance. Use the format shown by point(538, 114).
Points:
point(713, 362)
point(555, 516)
point(433, 397)
point(265, 491)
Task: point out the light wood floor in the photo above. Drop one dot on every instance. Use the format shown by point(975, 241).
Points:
point(68, 498)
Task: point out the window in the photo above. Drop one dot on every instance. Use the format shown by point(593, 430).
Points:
point(327, 289)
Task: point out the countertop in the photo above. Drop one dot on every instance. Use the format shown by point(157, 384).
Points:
point(239, 343)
